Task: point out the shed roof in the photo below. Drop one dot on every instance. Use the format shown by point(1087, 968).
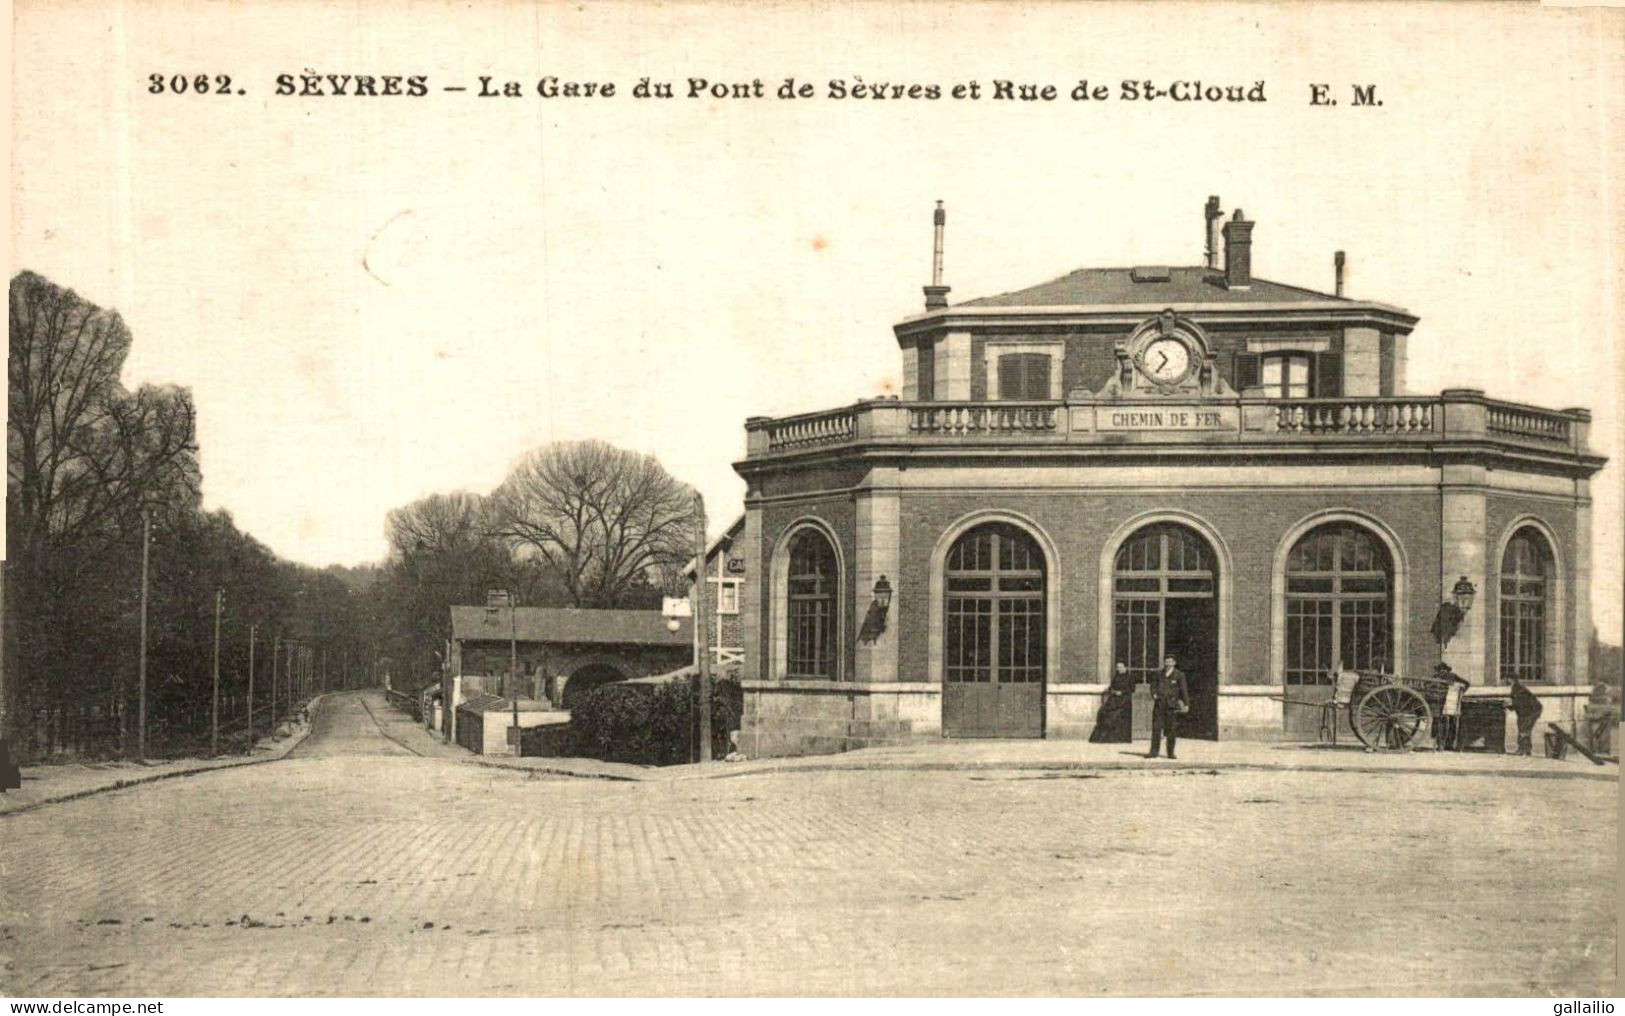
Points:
point(567, 625)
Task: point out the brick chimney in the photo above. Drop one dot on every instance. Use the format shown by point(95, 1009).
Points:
point(936, 294)
point(1214, 215)
point(1238, 252)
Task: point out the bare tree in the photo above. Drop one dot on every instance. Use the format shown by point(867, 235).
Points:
point(607, 521)
point(439, 523)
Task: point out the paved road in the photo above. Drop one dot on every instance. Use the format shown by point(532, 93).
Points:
point(358, 867)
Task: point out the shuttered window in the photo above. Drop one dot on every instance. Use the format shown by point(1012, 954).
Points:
point(1328, 376)
point(1024, 376)
point(1245, 372)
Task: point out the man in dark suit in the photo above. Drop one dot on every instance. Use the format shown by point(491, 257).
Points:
point(1170, 699)
point(1527, 708)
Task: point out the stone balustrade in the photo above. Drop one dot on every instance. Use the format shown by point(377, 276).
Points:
point(1356, 416)
point(971, 419)
point(1526, 422)
point(1453, 415)
point(812, 429)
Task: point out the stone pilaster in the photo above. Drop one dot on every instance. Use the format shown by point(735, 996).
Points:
point(1463, 520)
point(911, 373)
point(953, 367)
point(753, 595)
point(1579, 669)
point(878, 515)
point(1362, 362)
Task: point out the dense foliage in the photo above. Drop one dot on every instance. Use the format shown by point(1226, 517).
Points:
point(652, 724)
point(87, 459)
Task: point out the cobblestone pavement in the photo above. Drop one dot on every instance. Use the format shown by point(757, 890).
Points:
point(357, 867)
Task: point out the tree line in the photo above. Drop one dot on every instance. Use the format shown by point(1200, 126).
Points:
point(92, 465)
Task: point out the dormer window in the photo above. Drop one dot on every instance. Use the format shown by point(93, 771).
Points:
point(1284, 375)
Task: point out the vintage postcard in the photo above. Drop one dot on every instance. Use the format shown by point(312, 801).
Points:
point(873, 499)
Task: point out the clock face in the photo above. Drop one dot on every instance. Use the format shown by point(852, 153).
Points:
point(1166, 360)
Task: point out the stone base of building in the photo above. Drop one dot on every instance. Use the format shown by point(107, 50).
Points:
point(783, 718)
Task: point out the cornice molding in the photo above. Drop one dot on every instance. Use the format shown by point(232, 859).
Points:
point(1340, 313)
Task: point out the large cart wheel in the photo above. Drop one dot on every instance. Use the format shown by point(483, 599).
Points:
point(1390, 717)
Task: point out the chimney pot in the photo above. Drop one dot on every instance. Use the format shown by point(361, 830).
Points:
point(1213, 217)
point(1238, 252)
point(936, 294)
point(1338, 261)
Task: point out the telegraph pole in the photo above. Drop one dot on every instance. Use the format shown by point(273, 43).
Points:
point(276, 650)
point(513, 663)
point(251, 629)
point(703, 637)
point(141, 667)
point(214, 705)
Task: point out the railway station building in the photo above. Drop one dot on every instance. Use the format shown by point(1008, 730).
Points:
point(1125, 463)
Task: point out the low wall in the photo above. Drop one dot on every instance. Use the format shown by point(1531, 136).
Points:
point(822, 717)
point(486, 733)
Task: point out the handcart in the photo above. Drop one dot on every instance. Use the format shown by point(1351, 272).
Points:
point(1389, 712)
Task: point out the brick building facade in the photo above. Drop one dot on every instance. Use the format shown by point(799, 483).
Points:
point(561, 651)
point(1123, 463)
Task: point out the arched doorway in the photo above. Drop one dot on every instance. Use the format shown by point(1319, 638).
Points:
point(1165, 582)
point(994, 640)
point(587, 679)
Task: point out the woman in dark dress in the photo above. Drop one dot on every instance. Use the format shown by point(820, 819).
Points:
point(1115, 721)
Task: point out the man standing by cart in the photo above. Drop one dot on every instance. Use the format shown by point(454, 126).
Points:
point(1170, 699)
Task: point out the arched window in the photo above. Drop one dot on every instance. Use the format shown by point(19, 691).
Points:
point(1525, 568)
point(1339, 603)
point(994, 615)
point(810, 607)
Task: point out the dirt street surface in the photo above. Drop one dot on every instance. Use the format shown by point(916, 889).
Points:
point(358, 867)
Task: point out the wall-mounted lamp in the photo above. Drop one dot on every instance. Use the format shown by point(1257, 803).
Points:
point(1448, 620)
point(1462, 594)
point(672, 624)
point(874, 621)
point(882, 593)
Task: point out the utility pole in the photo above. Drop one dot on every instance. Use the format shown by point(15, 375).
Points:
point(703, 637)
point(141, 667)
point(513, 663)
point(214, 705)
point(251, 630)
point(276, 650)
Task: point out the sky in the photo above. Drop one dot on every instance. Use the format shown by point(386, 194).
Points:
point(375, 298)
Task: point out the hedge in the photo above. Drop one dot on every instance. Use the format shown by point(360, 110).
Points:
point(652, 724)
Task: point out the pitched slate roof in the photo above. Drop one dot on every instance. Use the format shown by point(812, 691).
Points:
point(727, 536)
point(568, 624)
point(1163, 286)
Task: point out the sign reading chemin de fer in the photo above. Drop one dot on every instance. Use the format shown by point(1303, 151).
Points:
point(1167, 418)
